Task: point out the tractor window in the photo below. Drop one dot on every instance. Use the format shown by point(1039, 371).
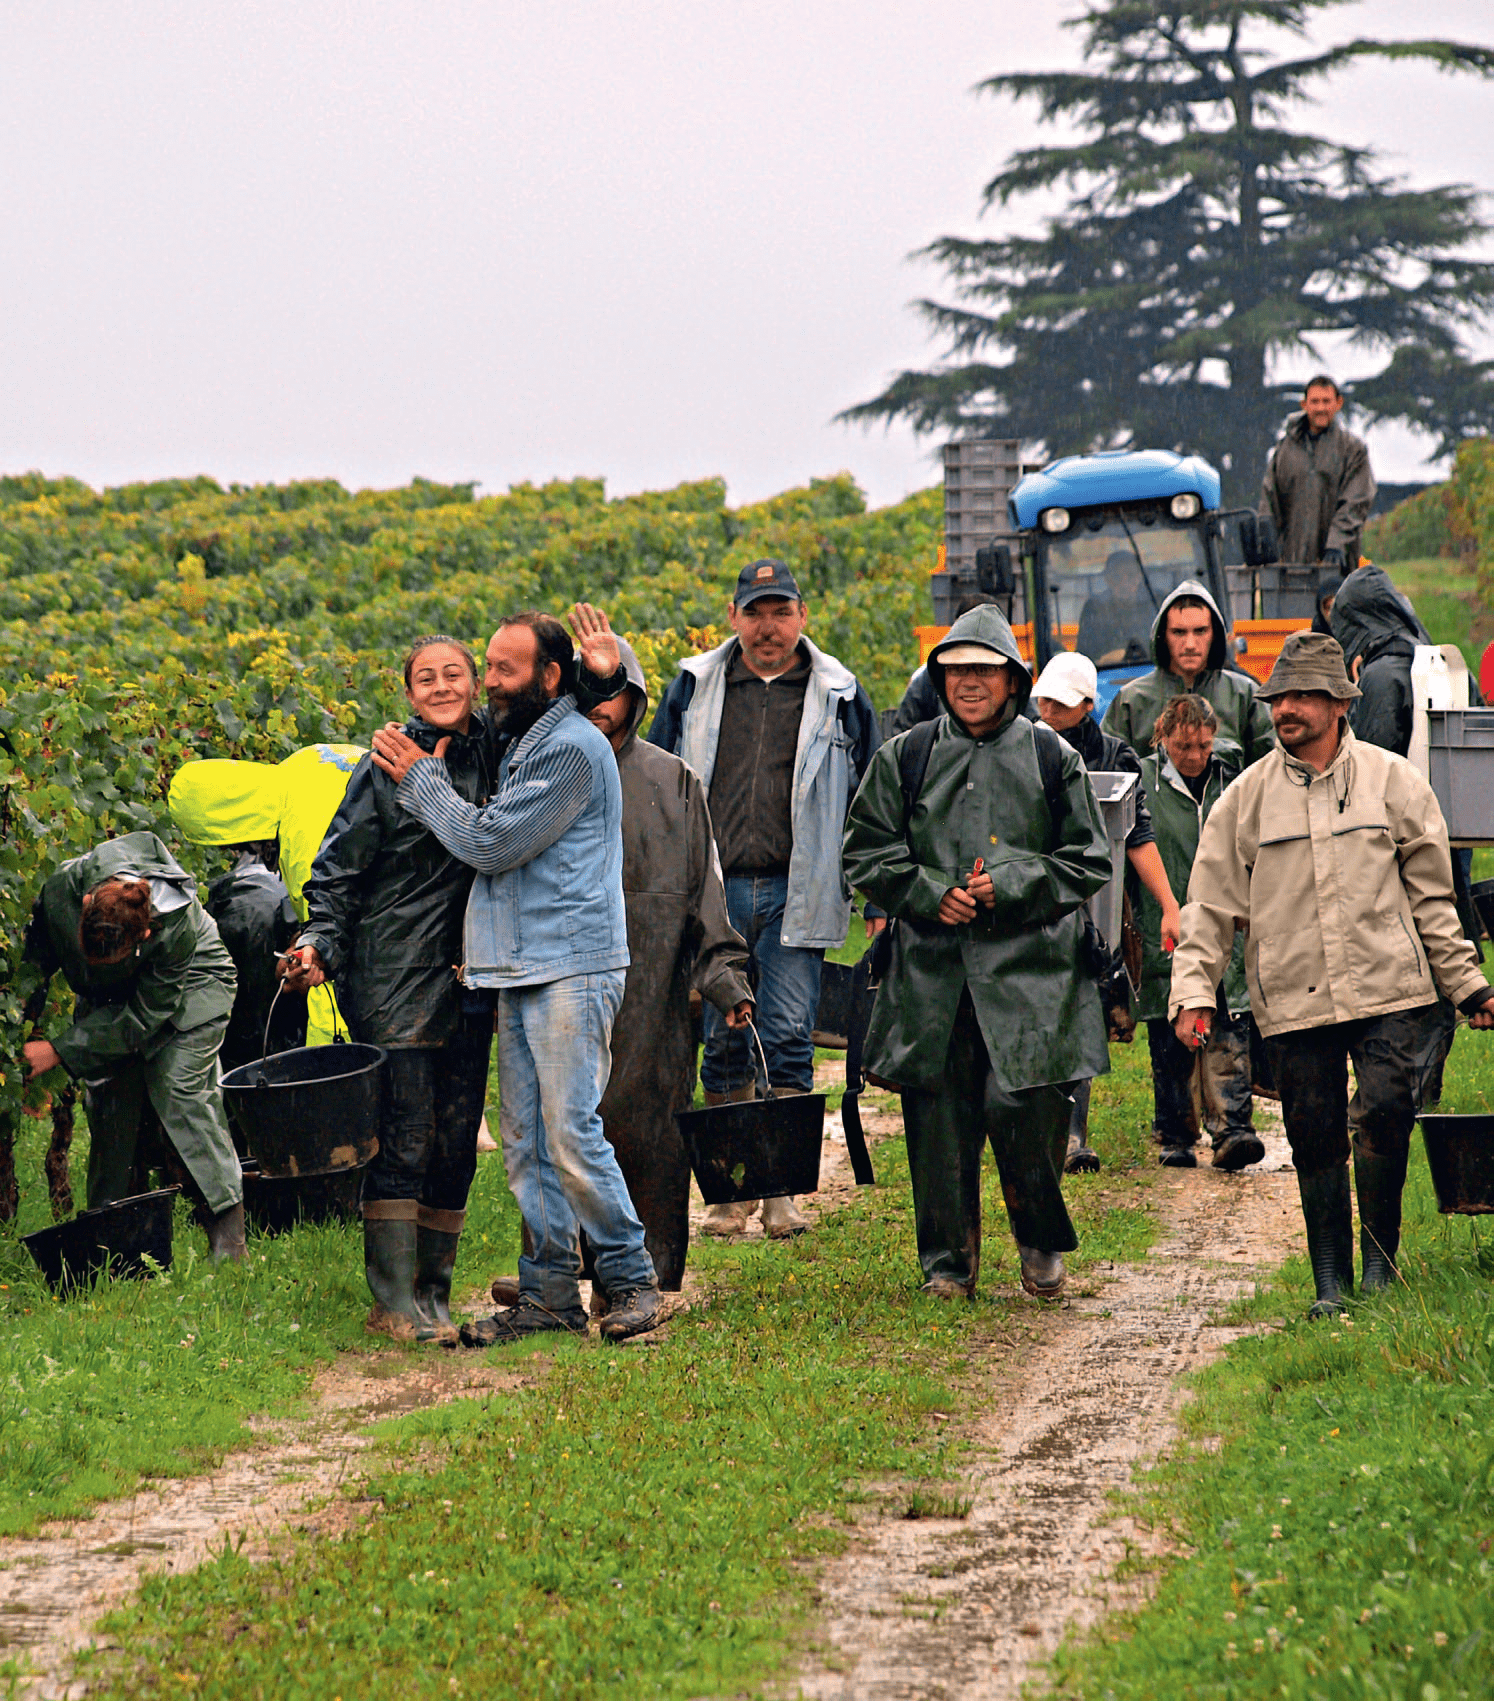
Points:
point(1105, 586)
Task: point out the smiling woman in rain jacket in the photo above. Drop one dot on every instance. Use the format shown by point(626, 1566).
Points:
point(984, 1025)
point(386, 902)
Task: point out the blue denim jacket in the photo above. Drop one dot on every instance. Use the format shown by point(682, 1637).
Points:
point(548, 898)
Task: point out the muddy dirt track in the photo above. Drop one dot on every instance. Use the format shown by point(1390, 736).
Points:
point(933, 1608)
point(964, 1609)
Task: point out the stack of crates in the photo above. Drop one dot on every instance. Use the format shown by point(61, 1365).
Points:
point(979, 473)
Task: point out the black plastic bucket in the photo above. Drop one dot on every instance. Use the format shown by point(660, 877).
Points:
point(274, 1204)
point(1482, 893)
point(117, 1237)
point(758, 1150)
point(311, 1111)
point(1460, 1155)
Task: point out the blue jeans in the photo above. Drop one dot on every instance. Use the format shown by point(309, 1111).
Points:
point(554, 1058)
point(787, 983)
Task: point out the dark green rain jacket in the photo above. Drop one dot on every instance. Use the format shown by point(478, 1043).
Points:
point(1039, 1013)
point(1178, 820)
point(1243, 718)
point(181, 977)
point(386, 900)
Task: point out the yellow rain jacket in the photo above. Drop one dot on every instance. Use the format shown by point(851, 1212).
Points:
point(233, 803)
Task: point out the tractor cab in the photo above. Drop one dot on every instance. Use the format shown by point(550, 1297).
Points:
point(1090, 546)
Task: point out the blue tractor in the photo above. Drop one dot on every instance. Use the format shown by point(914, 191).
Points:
point(1101, 540)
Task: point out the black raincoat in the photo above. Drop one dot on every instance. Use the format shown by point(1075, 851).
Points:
point(679, 936)
point(255, 920)
point(386, 900)
point(1372, 620)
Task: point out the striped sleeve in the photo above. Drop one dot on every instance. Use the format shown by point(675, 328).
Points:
point(534, 806)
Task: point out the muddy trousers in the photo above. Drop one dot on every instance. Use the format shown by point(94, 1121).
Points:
point(173, 1093)
point(946, 1135)
point(1224, 1080)
point(430, 1110)
point(1389, 1054)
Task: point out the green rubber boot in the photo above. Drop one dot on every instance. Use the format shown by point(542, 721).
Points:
point(437, 1235)
point(389, 1235)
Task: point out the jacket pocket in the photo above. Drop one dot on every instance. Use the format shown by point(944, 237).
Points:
point(1410, 948)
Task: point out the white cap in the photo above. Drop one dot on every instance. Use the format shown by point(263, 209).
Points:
point(969, 655)
point(1069, 679)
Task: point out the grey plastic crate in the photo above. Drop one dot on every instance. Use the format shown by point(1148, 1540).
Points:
point(1460, 765)
point(1116, 795)
point(979, 473)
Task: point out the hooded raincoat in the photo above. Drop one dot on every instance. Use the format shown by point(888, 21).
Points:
point(1318, 490)
point(985, 1025)
point(1038, 1012)
point(1243, 717)
point(1372, 620)
point(255, 920)
point(1178, 818)
point(679, 936)
point(145, 1031)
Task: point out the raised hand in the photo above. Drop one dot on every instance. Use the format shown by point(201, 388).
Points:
point(595, 644)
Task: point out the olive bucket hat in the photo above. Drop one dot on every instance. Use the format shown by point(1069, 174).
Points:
point(1310, 661)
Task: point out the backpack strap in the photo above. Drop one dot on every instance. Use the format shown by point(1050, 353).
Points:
point(1050, 768)
point(913, 763)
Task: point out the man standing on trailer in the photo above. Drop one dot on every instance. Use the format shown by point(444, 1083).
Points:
point(1318, 486)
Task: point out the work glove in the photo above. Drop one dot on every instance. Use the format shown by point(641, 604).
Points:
point(1334, 558)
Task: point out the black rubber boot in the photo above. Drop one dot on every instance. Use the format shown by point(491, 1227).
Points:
point(1177, 1157)
point(437, 1235)
point(1330, 1237)
point(389, 1263)
point(1378, 1181)
point(1080, 1158)
point(225, 1234)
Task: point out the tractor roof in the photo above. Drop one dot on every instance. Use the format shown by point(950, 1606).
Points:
point(1116, 475)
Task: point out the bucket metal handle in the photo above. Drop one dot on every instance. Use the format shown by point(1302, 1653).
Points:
point(767, 1084)
point(264, 1044)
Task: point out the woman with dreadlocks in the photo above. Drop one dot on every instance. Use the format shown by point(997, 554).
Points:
point(154, 987)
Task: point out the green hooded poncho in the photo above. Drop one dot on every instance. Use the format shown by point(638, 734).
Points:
point(1243, 718)
point(1039, 1013)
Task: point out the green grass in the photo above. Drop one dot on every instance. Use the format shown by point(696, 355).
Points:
point(132, 1380)
point(644, 1521)
point(1337, 1544)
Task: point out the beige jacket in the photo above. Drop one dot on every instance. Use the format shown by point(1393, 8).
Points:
point(1344, 882)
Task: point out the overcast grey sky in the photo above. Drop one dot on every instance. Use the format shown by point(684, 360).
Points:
point(650, 240)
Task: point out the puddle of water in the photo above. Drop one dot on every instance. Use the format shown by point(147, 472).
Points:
point(127, 1550)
